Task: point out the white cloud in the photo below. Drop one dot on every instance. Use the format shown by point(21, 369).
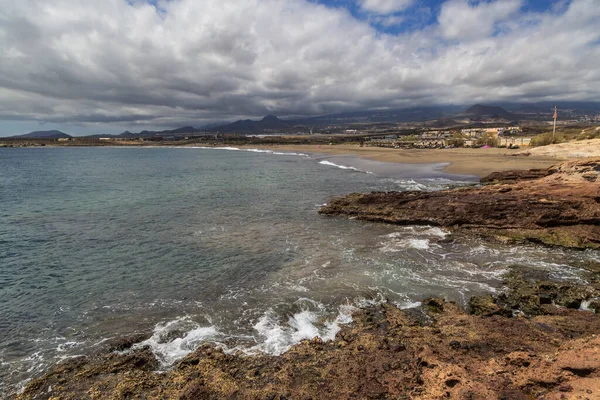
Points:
point(460, 19)
point(192, 62)
point(385, 6)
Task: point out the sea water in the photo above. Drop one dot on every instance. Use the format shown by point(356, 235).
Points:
point(214, 245)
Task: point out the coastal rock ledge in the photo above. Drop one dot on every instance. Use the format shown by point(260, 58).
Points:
point(558, 206)
point(530, 342)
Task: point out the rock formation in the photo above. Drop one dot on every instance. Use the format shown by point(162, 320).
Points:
point(557, 206)
point(518, 346)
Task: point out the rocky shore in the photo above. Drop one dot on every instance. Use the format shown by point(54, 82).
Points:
point(535, 339)
point(530, 341)
point(555, 206)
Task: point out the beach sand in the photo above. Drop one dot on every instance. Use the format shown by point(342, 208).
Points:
point(479, 162)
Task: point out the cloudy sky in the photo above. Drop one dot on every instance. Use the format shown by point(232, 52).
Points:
point(103, 66)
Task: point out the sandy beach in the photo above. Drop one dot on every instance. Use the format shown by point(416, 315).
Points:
point(480, 162)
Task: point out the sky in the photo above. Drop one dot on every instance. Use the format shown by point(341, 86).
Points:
point(105, 66)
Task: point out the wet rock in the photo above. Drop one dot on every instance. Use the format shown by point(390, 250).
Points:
point(485, 306)
point(556, 208)
point(433, 305)
point(125, 342)
point(457, 355)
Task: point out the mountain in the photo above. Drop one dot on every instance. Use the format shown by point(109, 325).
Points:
point(269, 123)
point(170, 132)
point(44, 135)
point(412, 114)
point(480, 112)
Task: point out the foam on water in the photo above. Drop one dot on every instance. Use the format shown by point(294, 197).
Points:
point(279, 153)
point(426, 184)
point(329, 163)
point(276, 337)
point(412, 237)
point(400, 245)
point(168, 352)
point(274, 334)
point(585, 304)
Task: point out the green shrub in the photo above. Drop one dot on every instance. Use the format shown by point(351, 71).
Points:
point(546, 138)
point(589, 134)
point(457, 140)
point(487, 140)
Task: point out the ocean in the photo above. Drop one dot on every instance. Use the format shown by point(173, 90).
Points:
point(215, 245)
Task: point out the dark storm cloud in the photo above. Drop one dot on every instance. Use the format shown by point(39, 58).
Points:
point(186, 61)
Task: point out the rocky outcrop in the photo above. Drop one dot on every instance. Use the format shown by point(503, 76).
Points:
point(438, 352)
point(559, 206)
point(515, 176)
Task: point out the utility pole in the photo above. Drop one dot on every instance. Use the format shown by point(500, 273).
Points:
point(555, 116)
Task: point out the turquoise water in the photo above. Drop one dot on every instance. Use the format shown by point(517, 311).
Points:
point(219, 245)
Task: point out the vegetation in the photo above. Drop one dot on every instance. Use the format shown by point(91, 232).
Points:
point(488, 140)
point(591, 133)
point(457, 140)
point(547, 138)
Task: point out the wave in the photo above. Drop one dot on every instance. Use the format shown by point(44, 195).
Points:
point(168, 352)
point(278, 337)
point(339, 166)
point(427, 184)
point(274, 335)
point(279, 153)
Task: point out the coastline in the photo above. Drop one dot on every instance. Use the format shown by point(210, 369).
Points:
point(463, 161)
point(556, 206)
point(535, 340)
point(460, 161)
point(497, 347)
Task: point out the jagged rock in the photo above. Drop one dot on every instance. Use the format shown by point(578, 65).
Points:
point(455, 355)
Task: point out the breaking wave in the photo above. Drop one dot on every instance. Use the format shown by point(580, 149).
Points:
point(324, 162)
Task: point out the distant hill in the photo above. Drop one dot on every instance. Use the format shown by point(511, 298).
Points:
point(480, 112)
point(412, 114)
point(44, 135)
point(147, 134)
point(269, 123)
point(442, 123)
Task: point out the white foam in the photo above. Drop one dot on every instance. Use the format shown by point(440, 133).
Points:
point(419, 231)
point(435, 231)
point(585, 305)
point(223, 148)
point(277, 338)
point(324, 162)
point(279, 153)
point(400, 245)
point(169, 352)
point(410, 184)
point(66, 346)
point(407, 304)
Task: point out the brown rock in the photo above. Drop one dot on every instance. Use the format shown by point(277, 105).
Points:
point(561, 208)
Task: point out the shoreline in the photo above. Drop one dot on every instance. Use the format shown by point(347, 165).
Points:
point(462, 161)
point(497, 349)
point(536, 339)
point(557, 206)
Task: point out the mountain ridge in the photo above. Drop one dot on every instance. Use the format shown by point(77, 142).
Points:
point(53, 134)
